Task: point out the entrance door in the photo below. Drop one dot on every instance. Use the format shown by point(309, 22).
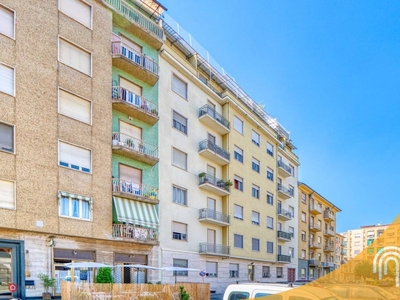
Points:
point(291, 274)
point(12, 268)
point(251, 272)
point(6, 272)
point(211, 241)
point(211, 206)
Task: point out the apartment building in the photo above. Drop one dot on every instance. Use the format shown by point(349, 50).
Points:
point(317, 229)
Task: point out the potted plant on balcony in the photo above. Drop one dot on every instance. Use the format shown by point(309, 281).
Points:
point(47, 283)
point(203, 177)
point(228, 183)
point(129, 143)
point(154, 111)
point(115, 139)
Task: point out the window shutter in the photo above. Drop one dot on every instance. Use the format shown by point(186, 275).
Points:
point(179, 86)
point(179, 158)
point(6, 79)
point(238, 211)
point(7, 22)
point(211, 267)
point(238, 124)
point(130, 174)
point(179, 227)
point(254, 216)
point(132, 45)
point(74, 107)
point(7, 194)
point(130, 86)
point(130, 130)
point(6, 137)
point(74, 156)
point(180, 118)
point(75, 57)
point(78, 10)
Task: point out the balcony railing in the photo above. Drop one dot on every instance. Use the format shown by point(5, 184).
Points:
point(139, 102)
point(134, 232)
point(214, 249)
point(219, 183)
point(147, 63)
point(284, 166)
point(315, 227)
point(207, 109)
point(285, 213)
point(127, 141)
point(284, 258)
point(329, 232)
point(329, 248)
point(330, 215)
point(284, 235)
point(315, 245)
point(314, 262)
point(285, 190)
point(137, 18)
point(206, 213)
point(134, 189)
point(206, 144)
point(315, 209)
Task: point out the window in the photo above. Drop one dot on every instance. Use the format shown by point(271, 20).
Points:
point(270, 247)
point(179, 86)
point(291, 169)
point(179, 122)
point(233, 270)
point(179, 159)
point(266, 273)
point(255, 165)
point(270, 198)
point(357, 236)
point(357, 243)
point(255, 138)
point(255, 244)
point(6, 137)
point(279, 272)
point(303, 254)
point(179, 195)
point(291, 210)
point(74, 157)
point(255, 218)
point(291, 190)
point(78, 10)
point(238, 124)
point(270, 174)
point(291, 252)
point(255, 191)
point(303, 198)
point(303, 217)
point(74, 107)
point(311, 273)
point(270, 223)
point(238, 241)
point(7, 194)
point(238, 212)
point(179, 231)
point(211, 269)
point(291, 231)
point(270, 149)
point(303, 236)
point(356, 252)
point(75, 57)
point(7, 22)
point(74, 206)
point(238, 154)
point(238, 183)
point(7, 79)
point(180, 263)
point(303, 273)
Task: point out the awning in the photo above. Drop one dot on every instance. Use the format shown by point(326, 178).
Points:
point(135, 212)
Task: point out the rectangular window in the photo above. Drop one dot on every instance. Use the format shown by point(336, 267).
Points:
point(179, 122)
point(291, 190)
point(211, 269)
point(270, 174)
point(179, 195)
point(303, 217)
point(270, 149)
point(78, 10)
point(7, 194)
point(238, 154)
point(303, 273)
point(270, 247)
point(279, 272)
point(255, 191)
point(270, 223)
point(75, 207)
point(238, 241)
point(291, 211)
point(238, 183)
point(303, 254)
point(179, 159)
point(74, 107)
point(7, 22)
point(303, 198)
point(291, 231)
point(255, 165)
point(234, 270)
point(266, 273)
point(75, 57)
point(291, 252)
point(179, 231)
point(179, 86)
point(6, 137)
point(74, 157)
point(291, 169)
point(6, 79)
point(255, 138)
point(238, 212)
point(255, 244)
point(180, 263)
point(303, 236)
point(238, 124)
point(270, 199)
point(255, 218)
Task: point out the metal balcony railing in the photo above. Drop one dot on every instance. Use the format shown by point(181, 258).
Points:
point(207, 109)
point(315, 207)
point(328, 214)
point(207, 178)
point(315, 245)
point(284, 166)
point(140, 102)
point(285, 213)
point(135, 232)
point(214, 249)
point(206, 144)
point(134, 188)
point(127, 141)
point(214, 215)
point(284, 258)
point(315, 226)
point(284, 235)
point(329, 232)
point(285, 190)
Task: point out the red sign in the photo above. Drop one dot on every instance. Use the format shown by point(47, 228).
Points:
point(12, 287)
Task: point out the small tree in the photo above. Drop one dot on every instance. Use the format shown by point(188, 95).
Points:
point(47, 283)
point(364, 269)
point(183, 295)
point(104, 275)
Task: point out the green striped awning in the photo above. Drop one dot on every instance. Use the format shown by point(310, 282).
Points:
point(134, 212)
point(75, 196)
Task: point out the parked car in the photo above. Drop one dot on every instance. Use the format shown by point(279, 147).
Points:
point(360, 292)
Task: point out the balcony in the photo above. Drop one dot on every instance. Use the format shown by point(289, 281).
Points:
point(134, 105)
point(325, 264)
point(213, 217)
point(283, 258)
point(213, 184)
point(315, 245)
point(212, 119)
point(134, 191)
point(329, 232)
point(284, 192)
point(283, 169)
point(284, 214)
point(313, 262)
point(135, 233)
point(215, 153)
point(130, 147)
point(284, 236)
point(315, 209)
point(214, 249)
point(315, 227)
point(329, 215)
point(135, 22)
point(328, 248)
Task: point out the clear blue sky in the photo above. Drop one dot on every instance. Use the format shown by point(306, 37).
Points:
point(330, 72)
